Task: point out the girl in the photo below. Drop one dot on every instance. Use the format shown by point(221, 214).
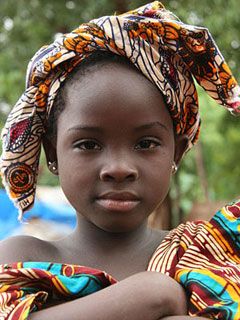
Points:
point(115, 106)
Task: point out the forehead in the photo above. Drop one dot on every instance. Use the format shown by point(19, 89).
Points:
point(113, 92)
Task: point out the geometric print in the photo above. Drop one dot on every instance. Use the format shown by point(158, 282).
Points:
point(204, 257)
point(168, 52)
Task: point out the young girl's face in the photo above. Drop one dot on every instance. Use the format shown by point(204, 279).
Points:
point(115, 147)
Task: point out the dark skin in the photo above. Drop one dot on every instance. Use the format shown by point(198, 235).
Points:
point(114, 152)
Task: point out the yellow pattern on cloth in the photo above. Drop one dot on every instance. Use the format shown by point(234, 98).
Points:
point(204, 257)
point(168, 52)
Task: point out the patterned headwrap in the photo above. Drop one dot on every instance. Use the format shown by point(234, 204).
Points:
point(168, 52)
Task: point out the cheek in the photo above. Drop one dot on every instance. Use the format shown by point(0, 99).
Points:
point(161, 180)
point(158, 177)
point(160, 163)
point(76, 179)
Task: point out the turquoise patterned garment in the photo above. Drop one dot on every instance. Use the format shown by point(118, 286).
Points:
point(204, 257)
point(27, 286)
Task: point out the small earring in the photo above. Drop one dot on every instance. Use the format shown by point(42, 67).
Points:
point(174, 168)
point(53, 166)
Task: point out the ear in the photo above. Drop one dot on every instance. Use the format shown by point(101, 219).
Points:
point(51, 154)
point(181, 145)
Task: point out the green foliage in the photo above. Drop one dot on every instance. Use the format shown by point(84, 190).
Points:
point(220, 141)
point(28, 24)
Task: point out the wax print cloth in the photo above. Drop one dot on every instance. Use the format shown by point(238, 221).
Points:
point(26, 287)
point(204, 257)
point(168, 52)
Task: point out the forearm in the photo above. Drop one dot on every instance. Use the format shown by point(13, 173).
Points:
point(142, 296)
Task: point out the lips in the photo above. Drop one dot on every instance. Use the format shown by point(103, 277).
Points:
point(118, 201)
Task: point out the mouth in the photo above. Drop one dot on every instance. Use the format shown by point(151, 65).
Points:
point(118, 201)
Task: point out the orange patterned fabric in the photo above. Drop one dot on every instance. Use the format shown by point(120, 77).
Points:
point(168, 52)
point(205, 258)
point(26, 287)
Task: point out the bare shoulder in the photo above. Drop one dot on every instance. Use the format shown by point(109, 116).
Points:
point(159, 235)
point(24, 248)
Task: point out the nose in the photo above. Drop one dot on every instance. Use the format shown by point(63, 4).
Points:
point(118, 171)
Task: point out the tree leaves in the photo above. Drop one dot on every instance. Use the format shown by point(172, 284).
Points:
point(28, 24)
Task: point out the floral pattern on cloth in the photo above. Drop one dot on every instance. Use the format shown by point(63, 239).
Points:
point(168, 52)
point(204, 257)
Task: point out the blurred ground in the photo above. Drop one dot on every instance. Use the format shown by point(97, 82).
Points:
point(50, 218)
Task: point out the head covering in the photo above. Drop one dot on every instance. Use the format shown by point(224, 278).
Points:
point(168, 52)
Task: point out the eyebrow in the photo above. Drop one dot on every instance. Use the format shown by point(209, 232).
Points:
point(98, 129)
point(85, 128)
point(151, 125)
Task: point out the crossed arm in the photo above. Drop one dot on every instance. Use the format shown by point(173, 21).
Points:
point(144, 296)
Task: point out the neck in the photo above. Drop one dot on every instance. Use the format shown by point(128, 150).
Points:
point(87, 234)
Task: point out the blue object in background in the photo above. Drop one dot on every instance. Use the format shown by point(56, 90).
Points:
point(55, 213)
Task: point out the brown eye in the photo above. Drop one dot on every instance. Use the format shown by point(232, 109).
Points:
point(147, 144)
point(87, 145)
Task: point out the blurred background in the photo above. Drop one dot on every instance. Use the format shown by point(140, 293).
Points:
point(210, 173)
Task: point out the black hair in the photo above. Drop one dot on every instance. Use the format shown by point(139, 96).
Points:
point(97, 58)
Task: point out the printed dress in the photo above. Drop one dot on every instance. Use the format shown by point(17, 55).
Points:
point(204, 257)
